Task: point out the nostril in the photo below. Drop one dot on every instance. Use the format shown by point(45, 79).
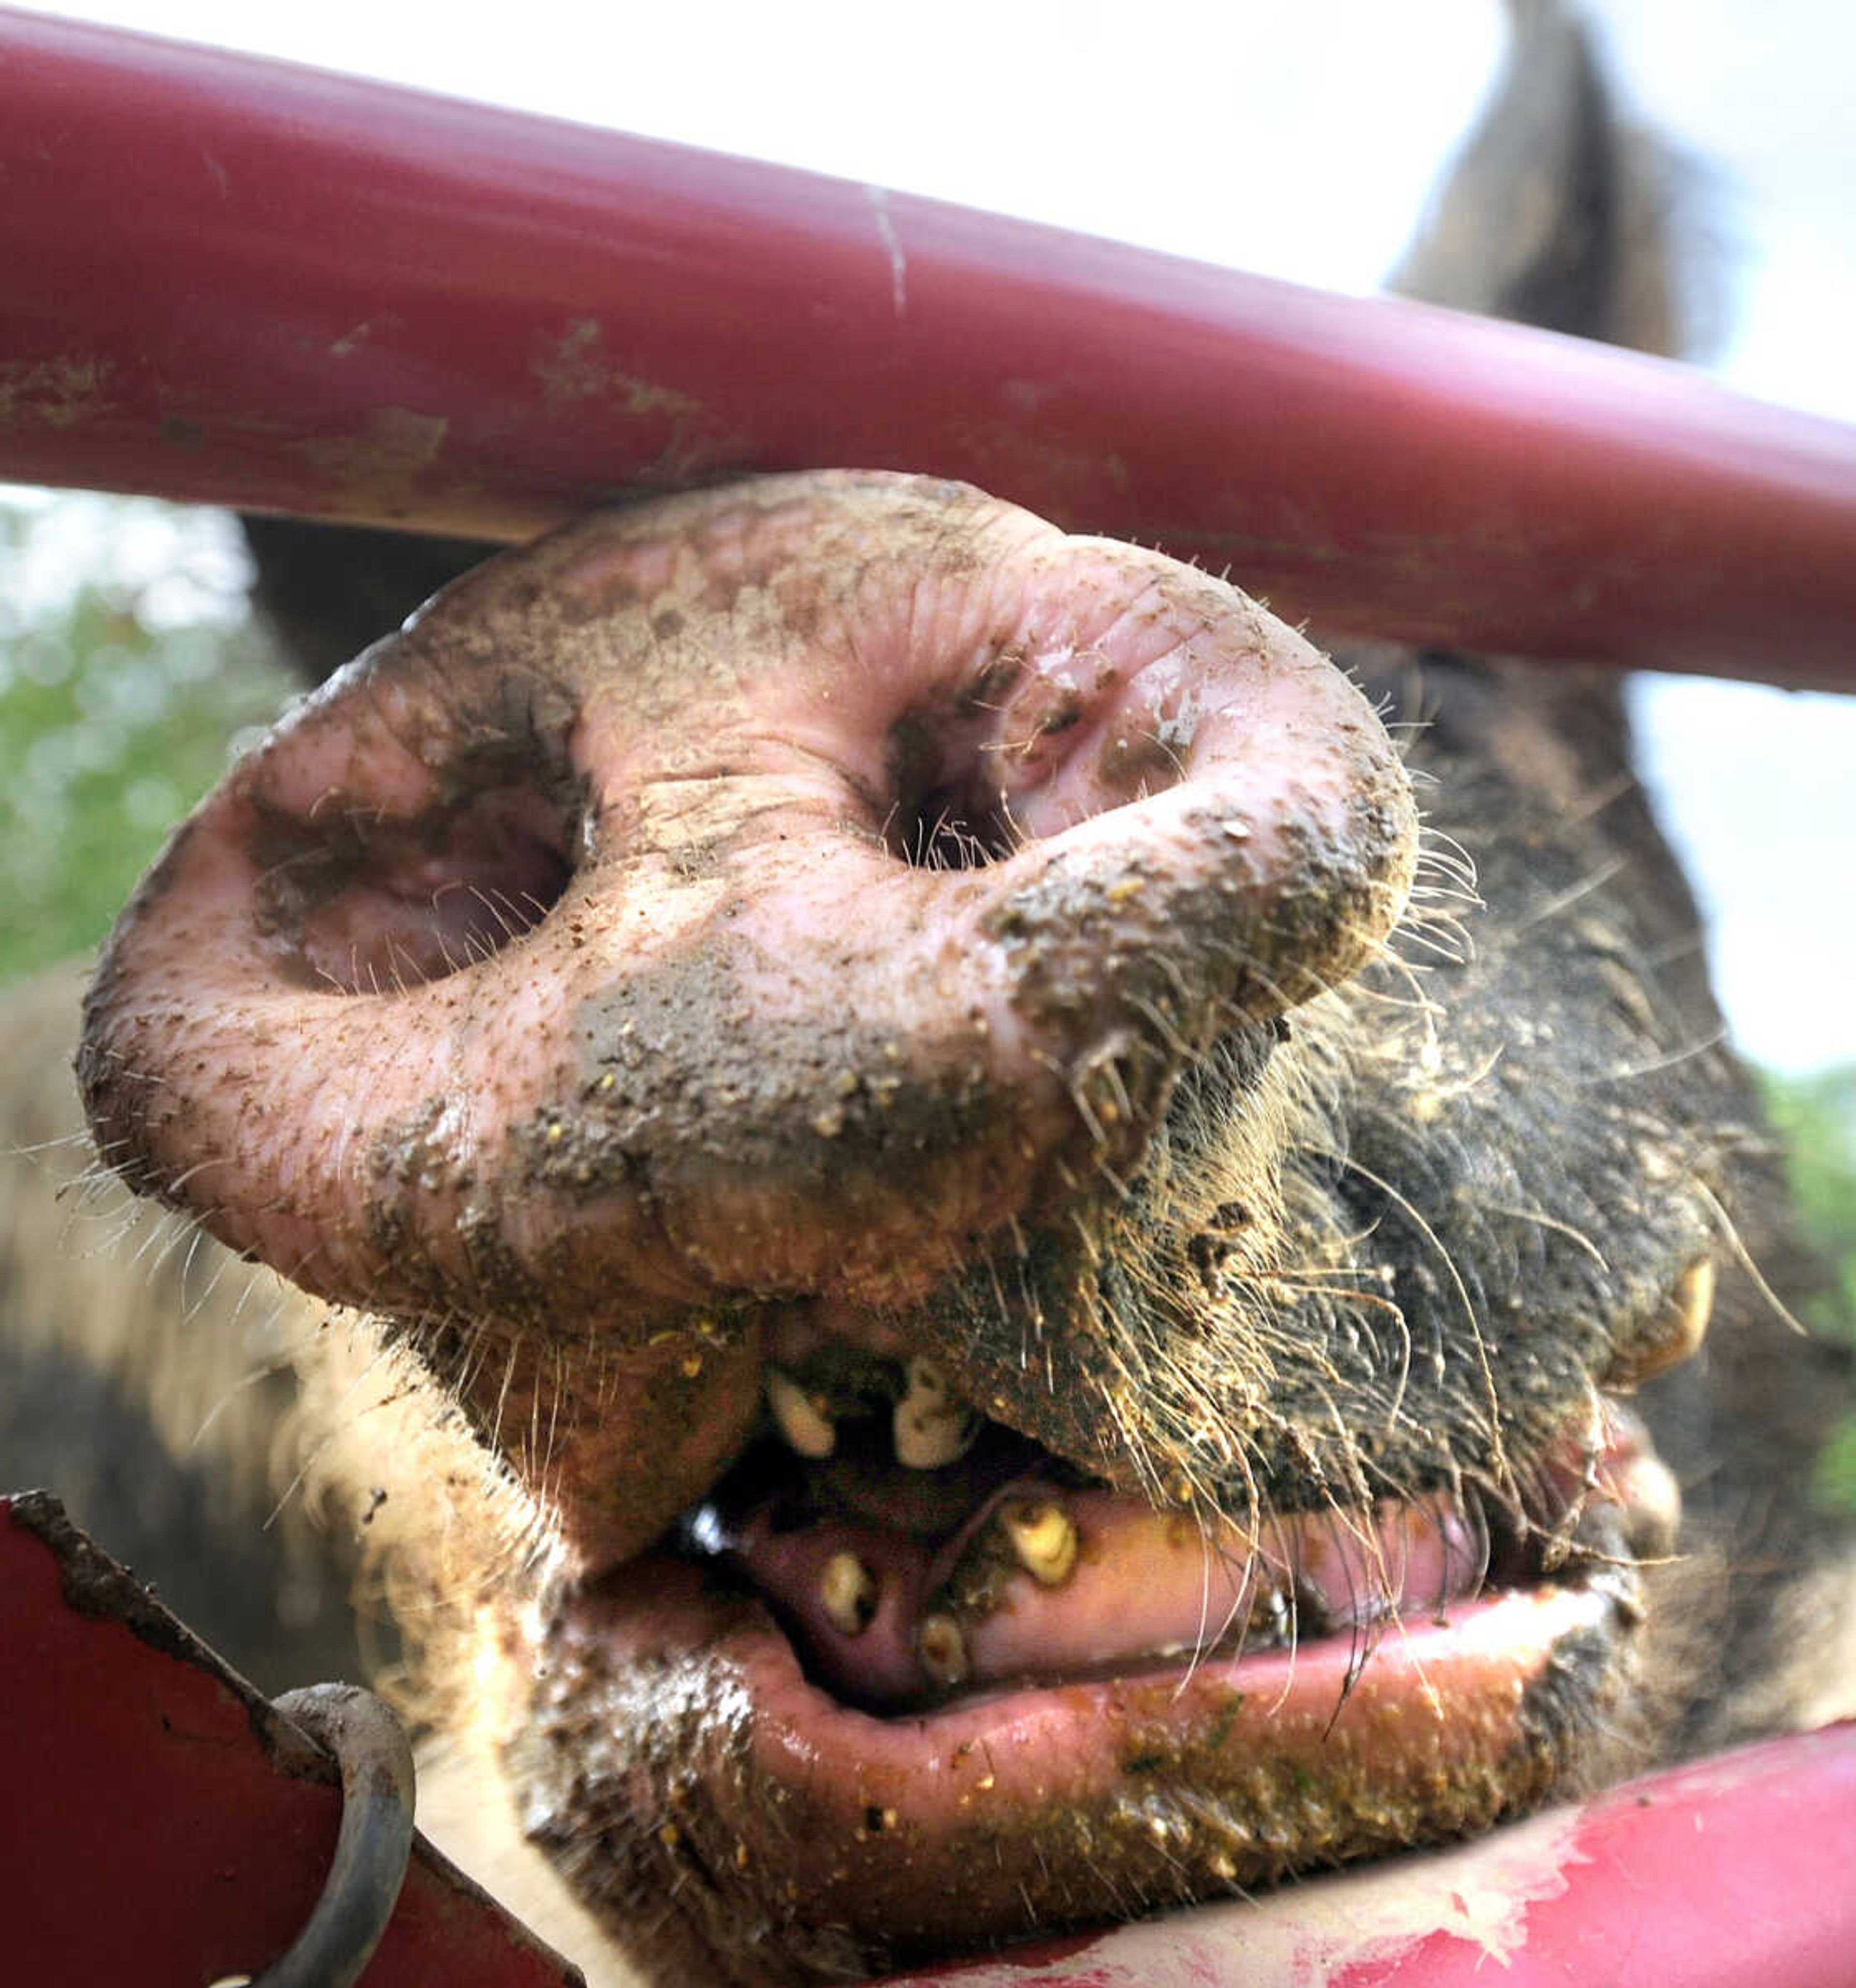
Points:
point(364, 905)
point(1096, 697)
point(945, 810)
point(949, 829)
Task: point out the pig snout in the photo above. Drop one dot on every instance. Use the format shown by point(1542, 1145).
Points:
point(777, 892)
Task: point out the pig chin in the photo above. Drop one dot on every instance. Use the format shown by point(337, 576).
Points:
point(814, 1006)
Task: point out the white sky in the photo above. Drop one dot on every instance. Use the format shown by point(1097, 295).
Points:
point(1295, 138)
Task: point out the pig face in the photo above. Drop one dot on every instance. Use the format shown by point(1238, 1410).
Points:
point(1059, 1315)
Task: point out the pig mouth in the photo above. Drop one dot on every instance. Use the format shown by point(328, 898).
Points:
point(917, 1554)
point(939, 1689)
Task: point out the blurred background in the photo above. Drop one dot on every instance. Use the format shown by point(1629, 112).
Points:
point(1300, 141)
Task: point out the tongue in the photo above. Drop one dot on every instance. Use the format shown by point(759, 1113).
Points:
point(1041, 1584)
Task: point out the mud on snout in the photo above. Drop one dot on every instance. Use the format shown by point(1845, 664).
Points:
point(859, 1034)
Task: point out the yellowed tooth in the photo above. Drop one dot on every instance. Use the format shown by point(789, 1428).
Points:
point(1691, 1305)
point(798, 1416)
point(1676, 1332)
point(942, 1647)
point(847, 1591)
point(1043, 1538)
point(932, 1426)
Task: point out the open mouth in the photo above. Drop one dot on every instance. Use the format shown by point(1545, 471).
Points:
point(918, 1555)
point(940, 1688)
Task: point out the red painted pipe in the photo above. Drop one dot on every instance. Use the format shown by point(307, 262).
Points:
point(230, 280)
point(1729, 1873)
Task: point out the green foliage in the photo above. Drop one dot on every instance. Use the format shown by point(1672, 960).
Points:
point(1837, 1468)
point(115, 716)
point(1816, 1115)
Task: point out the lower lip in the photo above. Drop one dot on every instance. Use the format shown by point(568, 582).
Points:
point(962, 1825)
point(1722, 1870)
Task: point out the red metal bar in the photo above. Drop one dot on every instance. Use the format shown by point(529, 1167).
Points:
point(1727, 1872)
point(162, 1824)
point(230, 280)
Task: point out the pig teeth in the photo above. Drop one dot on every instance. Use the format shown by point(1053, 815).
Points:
point(798, 1416)
point(1676, 1332)
point(942, 1647)
point(932, 1426)
point(1043, 1539)
point(1271, 1620)
point(846, 1592)
point(1685, 1318)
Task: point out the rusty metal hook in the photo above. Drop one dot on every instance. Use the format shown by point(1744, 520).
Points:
point(339, 1937)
